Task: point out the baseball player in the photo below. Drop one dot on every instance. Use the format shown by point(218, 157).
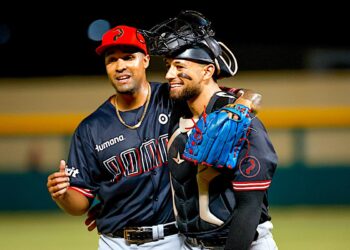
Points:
point(118, 154)
point(220, 202)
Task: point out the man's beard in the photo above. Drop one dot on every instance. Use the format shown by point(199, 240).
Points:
point(186, 93)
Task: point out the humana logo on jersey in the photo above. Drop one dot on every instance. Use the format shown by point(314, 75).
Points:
point(109, 143)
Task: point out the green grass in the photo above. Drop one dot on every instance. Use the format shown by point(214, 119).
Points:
point(45, 231)
point(302, 228)
point(319, 228)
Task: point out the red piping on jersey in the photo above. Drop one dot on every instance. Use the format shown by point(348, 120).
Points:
point(85, 192)
point(250, 186)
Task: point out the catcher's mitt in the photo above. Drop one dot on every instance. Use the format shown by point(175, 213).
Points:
point(217, 138)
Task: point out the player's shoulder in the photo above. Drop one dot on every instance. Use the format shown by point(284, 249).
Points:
point(160, 88)
point(219, 100)
point(96, 118)
point(259, 136)
point(257, 123)
point(160, 94)
point(159, 85)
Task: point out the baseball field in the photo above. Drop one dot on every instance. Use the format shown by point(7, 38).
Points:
point(302, 228)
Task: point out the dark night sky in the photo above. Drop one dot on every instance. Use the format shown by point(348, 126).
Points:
point(52, 40)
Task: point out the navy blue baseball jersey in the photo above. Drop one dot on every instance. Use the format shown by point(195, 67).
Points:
point(125, 168)
point(205, 197)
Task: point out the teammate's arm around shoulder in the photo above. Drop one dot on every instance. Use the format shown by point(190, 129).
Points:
point(70, 201)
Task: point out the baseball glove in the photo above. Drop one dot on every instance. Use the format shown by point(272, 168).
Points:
point(217, 138)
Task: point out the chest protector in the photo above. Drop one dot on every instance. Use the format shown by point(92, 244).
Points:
point(203, 196)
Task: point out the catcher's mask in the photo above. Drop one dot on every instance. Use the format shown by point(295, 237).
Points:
point(190, 36)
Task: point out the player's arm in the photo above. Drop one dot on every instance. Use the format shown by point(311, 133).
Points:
point(67, 199)
point(245, 220)
point(258, 173)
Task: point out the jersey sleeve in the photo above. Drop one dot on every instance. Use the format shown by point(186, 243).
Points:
point(245, 220)
point(257, 160)
point(81, 164)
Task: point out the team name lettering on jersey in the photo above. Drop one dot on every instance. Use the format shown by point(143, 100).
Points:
point(109, 143)
point(134, 161)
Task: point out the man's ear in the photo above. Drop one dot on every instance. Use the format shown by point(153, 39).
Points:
point(146, 60)
point(209, 71)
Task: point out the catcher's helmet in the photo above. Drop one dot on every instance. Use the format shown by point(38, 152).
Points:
point(190, 36)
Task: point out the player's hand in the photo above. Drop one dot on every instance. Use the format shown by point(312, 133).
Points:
point(250, 99)
point(58, 182)
point(90, 221)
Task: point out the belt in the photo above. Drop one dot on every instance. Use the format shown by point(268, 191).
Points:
point(211, 243)
point(140, 235)
point(206, 243)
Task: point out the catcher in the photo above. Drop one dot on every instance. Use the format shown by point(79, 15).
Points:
point(220, 197)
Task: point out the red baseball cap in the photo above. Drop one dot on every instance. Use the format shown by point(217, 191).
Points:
point(122, 35)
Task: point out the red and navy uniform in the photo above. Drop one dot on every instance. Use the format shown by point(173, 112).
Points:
point(125, 168)
point(234, 196)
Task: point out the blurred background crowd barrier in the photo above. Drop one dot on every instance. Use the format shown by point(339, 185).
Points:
point(306, 113)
